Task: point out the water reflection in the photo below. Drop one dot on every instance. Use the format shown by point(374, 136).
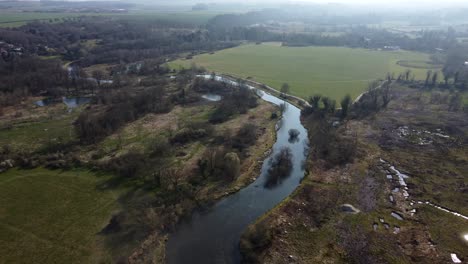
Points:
point(280, 168)
point(212, 97)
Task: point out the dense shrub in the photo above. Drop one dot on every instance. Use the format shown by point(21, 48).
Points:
point(246, 136)
point(238, 101)
point(159, 146)
point(186, 135)
point(127, 165)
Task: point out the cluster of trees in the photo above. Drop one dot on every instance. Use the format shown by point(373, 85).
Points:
point(321, 117)
point(376, 98)
point(455, 67)
point(92, 127)
point(28, 75)
point(238, 100)
point(223, 162)
point(326, 142)
point(320, 104)
point(219, 163)
point(203, 85)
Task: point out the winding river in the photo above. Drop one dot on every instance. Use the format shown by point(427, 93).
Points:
point(213, 236)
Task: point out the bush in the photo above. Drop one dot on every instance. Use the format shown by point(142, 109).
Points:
point(222, 113)
point(159, 146)
point(186, 135)
point(257, 239)
point(232, 165)
point(212, 163)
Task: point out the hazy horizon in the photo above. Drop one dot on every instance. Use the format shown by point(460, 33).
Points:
point(424, 4)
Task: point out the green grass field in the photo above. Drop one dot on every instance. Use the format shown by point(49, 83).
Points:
point(52, 216)
point(16, 19)
point(33, 135)
point(330, 71)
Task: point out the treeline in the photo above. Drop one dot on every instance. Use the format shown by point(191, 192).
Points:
point(91, 40)
point(316, 15)
point(109, 40)
point(256, 26)
point(29, 75)
point(362, 37)
point(455, 67)
point(322, 118)
point(437, 83)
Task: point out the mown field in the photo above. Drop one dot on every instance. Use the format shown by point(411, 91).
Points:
point(52, 216)
point(330, 71)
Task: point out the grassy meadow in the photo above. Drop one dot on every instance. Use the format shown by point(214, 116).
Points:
point(52, 216)
point(330, 71)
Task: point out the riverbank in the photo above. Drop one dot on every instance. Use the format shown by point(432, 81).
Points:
point(416, 136)
point(199, 236)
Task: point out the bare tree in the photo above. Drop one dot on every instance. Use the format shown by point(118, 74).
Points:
point(232, 165)
point(428, 77)
point(435, 76)
point(98, 75)
point(345, 104)
point(315, 101)
point(284, 89)
point(407, 74)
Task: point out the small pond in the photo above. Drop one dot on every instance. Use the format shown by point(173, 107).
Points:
point(212, 97)
point(70, 102)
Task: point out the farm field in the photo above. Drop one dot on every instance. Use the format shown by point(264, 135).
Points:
point(185, 17)
point(52, 216)
point(330, 71)
point(17, 19)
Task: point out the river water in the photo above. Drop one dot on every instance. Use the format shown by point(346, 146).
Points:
point(213, 236)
